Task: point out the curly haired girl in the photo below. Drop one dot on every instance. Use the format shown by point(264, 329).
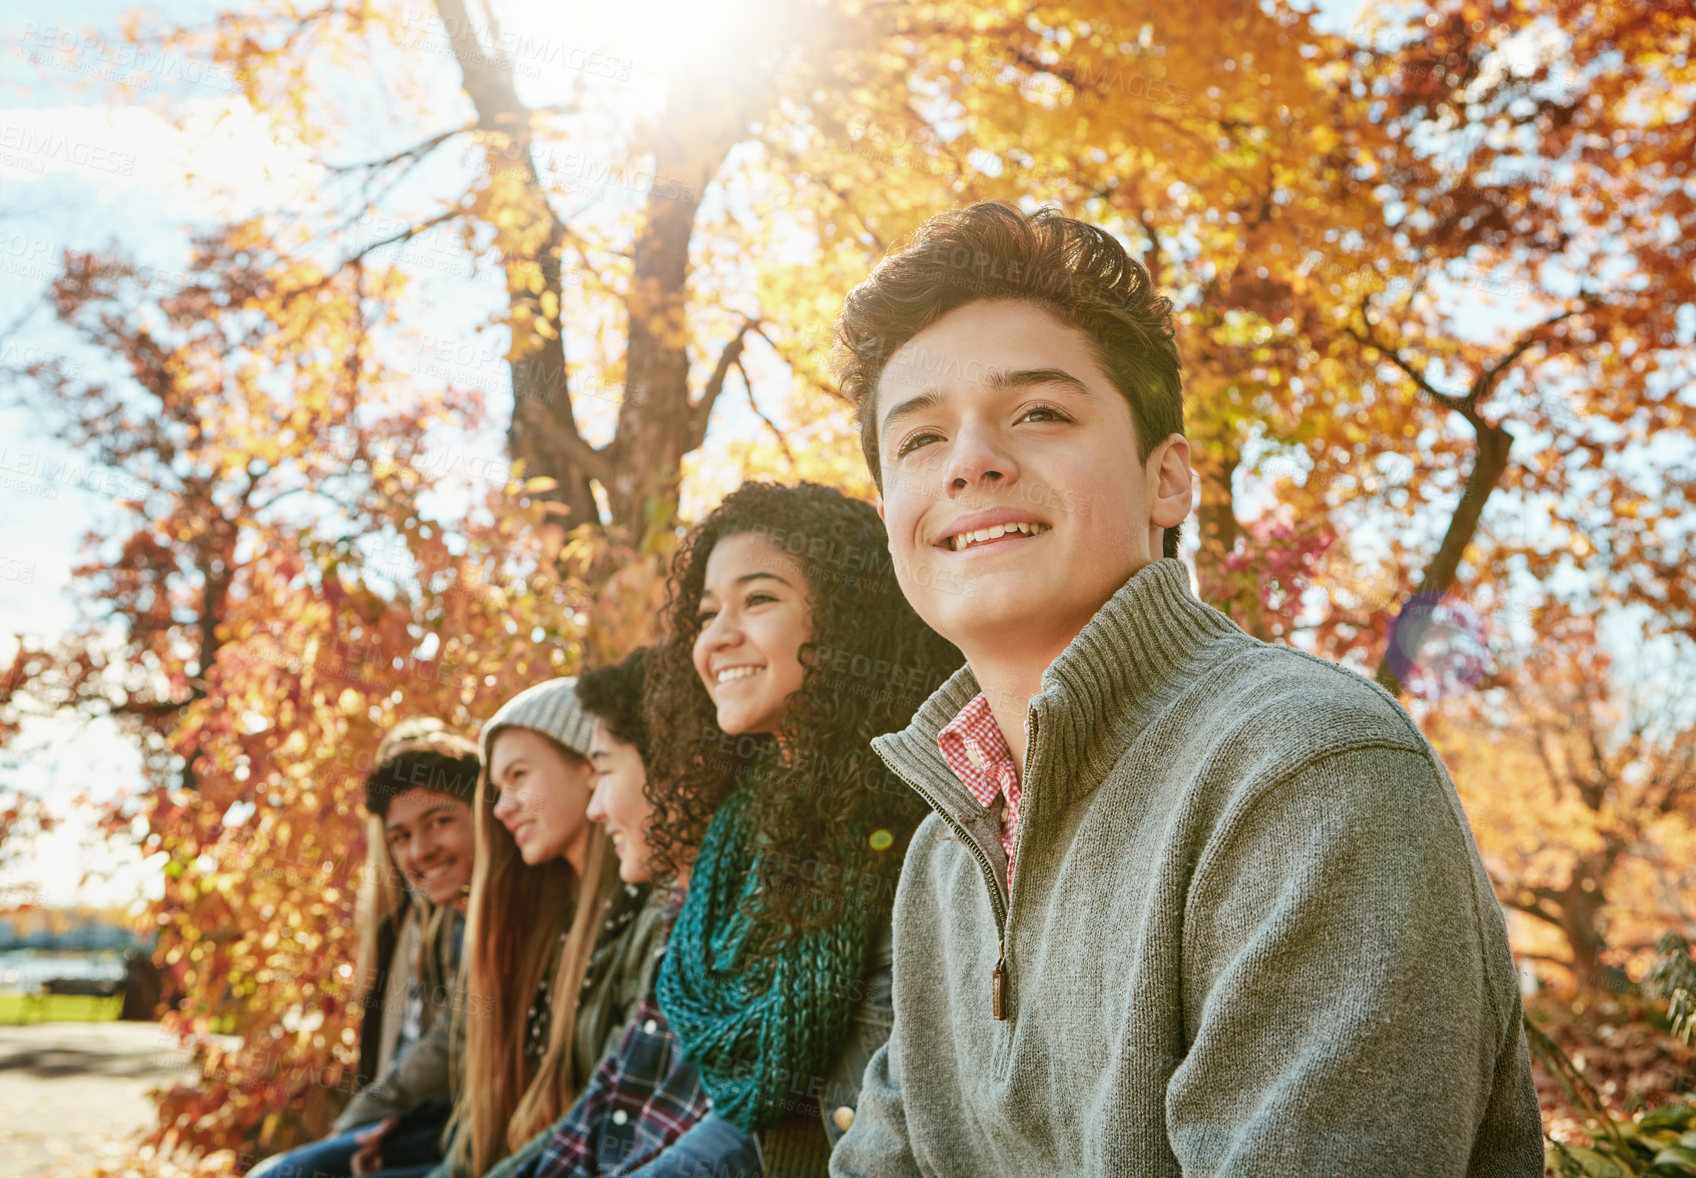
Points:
point(789, 647)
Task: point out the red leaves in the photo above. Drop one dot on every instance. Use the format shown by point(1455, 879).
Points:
point(1261, 580)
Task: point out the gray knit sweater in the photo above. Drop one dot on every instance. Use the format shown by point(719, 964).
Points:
point(1250, 933)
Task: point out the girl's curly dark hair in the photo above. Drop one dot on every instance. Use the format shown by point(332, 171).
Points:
point(838, 819)
point(613, 695)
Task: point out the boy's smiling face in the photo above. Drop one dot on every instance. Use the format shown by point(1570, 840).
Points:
point(998, 418)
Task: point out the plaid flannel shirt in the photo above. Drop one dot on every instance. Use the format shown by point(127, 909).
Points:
point(642, 1098)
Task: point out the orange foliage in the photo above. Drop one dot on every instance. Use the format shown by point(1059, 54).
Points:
point(285, 597)
point(1429, 294)
point(1579, 778)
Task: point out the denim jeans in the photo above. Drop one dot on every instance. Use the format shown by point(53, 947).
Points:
point(333, 1156)
point(330, 1158)
point(874, 1017)
point(714, 1148)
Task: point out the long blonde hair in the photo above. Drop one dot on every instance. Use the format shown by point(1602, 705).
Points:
point(515, 918)
point(383, 894)
point(382, 897)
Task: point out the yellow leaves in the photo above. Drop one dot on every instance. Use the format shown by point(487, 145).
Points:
point(528, 331)
point(525, 277)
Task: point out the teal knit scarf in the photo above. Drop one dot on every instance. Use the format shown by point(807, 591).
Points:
point(758, 1028)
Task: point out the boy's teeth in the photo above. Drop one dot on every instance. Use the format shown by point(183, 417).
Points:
point(995, 532)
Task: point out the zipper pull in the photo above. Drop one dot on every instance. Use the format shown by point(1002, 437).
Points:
point(998, 990)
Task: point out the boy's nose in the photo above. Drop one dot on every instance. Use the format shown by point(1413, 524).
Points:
point(976, 461)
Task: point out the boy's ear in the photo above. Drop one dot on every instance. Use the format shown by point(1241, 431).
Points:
point(1171, 483)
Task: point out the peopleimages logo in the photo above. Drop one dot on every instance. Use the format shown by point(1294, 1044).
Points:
point(84, 53)
point(40, 474)
point(47, 147)
point(14, 569)
point(517, 52)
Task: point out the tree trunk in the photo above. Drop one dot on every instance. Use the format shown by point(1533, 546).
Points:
point(1583, 940)
point(1411, 626)
point(543, 432)
point(658, 423)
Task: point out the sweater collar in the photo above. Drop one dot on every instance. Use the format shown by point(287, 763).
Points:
point(1133, 658)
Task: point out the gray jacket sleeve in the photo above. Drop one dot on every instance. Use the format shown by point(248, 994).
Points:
point(1350, 1003)
point(421, 1073)
point(875, 1143)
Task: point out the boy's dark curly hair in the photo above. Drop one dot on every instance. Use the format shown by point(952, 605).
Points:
point(421, 753)
point(825, 797)
point(990, 250)
point(613, 695)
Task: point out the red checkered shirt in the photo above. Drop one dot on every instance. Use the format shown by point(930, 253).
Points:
point(974, 748)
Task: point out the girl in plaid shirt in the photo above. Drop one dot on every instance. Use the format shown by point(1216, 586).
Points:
point(645, 1095)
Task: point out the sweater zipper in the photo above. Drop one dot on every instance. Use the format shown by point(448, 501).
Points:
point(998, 978)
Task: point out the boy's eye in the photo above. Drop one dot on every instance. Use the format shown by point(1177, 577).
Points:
point(1044, 413)
point(913, 441)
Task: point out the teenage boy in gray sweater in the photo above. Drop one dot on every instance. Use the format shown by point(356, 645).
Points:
point(1188, 904)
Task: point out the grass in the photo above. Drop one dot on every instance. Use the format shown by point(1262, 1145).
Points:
point(58, 1008)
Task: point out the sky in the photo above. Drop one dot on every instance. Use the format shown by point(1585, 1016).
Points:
point(95, 143)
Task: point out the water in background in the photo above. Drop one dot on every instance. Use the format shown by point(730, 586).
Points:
point(29, 969)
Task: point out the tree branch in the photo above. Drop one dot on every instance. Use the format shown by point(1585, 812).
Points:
point(1369, 338)
point(1535, 909)
point(782, 442)
point(1494, 443)
point(1536, 335)
point(404, 235)
point(1151, 256)
point(416, 152)
point(701, 410)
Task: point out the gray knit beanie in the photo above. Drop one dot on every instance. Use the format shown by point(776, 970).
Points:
point(550, 708)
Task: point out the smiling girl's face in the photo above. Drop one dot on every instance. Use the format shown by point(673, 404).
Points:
point(620, 803)
point(754, 618)
point(543, 796)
